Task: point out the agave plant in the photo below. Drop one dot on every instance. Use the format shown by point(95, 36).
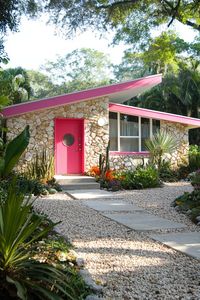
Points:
point(161, 143)
point(20, 274)
point(13, 152)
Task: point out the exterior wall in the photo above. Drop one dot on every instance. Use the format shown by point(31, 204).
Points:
point(179, 131)
point(127, 161)
point(96, 137)
point(42, 129)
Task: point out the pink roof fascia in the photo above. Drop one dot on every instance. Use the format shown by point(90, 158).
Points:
point(148, 113)
point(31, 106)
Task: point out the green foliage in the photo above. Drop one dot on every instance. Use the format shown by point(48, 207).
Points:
point(79, 70)
point(41, 167)
point(161, 143)
point(189, 203)
point(195, 179)
point(13, 151)
point(42, 86)
point(15, 85)
point(141, 178)
point(104, 14)
point(194, 157)
point(22, 275)
point(166, 173)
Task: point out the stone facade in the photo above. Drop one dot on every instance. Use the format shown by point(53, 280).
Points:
point(42, 129)
point(180, 133)
point(96, 137)
point(180, 156)
point(128, 161)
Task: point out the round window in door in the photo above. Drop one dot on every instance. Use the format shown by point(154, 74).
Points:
point(68, 139)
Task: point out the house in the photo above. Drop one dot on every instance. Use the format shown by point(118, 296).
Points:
point(76, 127)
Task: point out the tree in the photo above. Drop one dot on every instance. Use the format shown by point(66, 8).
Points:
point(161, 56)
point(15, 85)
point(12, 10)
point(80, 69)
point(42, 86)
point(138, 16)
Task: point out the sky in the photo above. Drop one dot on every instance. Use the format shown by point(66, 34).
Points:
point(36, 42)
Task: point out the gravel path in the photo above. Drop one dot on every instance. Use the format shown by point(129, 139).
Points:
point(129, 263)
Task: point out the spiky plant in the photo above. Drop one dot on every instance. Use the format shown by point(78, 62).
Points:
point(21, 276)
point(162, 143)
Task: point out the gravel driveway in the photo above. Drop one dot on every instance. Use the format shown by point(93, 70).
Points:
point(129, 264)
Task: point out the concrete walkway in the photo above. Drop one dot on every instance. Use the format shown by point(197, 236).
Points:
point(138, 219)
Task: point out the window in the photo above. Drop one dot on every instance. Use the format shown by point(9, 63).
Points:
point(128, 133)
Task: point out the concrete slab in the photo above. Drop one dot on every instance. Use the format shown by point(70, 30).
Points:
point(188, 243)
point(90, 194)
point(111, 205)
point(143, 221)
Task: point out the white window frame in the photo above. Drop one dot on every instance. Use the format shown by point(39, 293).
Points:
point(132, 137)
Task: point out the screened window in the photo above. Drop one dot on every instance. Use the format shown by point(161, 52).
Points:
point(129, 133)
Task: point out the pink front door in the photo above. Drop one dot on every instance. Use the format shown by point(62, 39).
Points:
point(69, 146)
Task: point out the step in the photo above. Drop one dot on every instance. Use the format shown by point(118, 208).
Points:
point(81, 186)
point(61, 179)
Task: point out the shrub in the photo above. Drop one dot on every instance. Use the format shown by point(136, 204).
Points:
point(194, 158)
point(141, 178)
point(166, 173)
point(195, 179)
point(22, 275)
point(189, 203)
point(147, 177)
point(41, 167)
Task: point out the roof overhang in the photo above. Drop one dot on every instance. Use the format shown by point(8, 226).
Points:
point(158, 115)
point(117, 93)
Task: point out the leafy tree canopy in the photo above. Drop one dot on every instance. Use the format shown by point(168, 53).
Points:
point(41, 85)
point(133, 18)
point(15, 85)
point(80, 69)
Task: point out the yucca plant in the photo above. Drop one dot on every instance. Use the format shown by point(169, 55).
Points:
point(162, 143)
point(21, 276)
point(41, 167)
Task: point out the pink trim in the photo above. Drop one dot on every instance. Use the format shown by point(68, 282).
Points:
point(148, 113)
point(30, 106)
point(128, 153)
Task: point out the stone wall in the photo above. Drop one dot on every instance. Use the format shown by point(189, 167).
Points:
point(128, 161)
point(96, 137)
point(180, 133)
point(42, 129)
point(180, 156)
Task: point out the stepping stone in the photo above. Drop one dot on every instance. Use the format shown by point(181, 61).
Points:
point(143, 221)
point(188, 243)
point(111, 205)
point(90, 194)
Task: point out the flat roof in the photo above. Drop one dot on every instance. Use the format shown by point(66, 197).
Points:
point(158, 115)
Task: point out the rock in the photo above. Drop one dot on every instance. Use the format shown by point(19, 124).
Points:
point(93, 297)
point(80, 262)
point(198, 218)
point(188, 212)
point(52, 191)
point(198, 224)
point(90, 282)
point(45, 192)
